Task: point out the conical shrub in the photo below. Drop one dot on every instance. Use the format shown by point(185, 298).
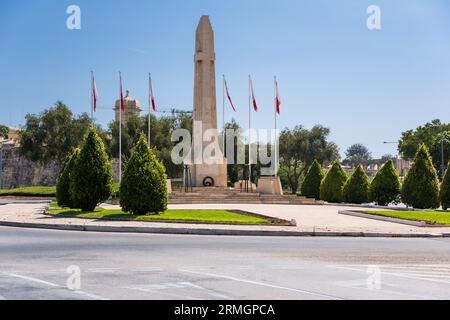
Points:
point(385, 186)
point(421, 186)
point(311, 184)
point(63, 184)
point(356, 189)
point(332, 184)
point(444, 195)
point(91, 178)
point(143, 187)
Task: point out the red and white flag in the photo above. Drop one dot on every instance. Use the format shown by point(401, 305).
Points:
point(94, 94)
point(122, 104)
point(228, 94)
point(151, 97)
point(255, 105)
point(277, 98)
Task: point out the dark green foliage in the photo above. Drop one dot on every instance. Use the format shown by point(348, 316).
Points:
point(91, 178)
point(143, 187)
point(311, 184)
point(444, 195)
point(356, 189)
point(4, 131)
point(385, 186)
point(421, 186)
point(63, 184)
point(332, 184)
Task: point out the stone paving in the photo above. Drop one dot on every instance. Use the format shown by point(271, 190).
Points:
point(309, 218)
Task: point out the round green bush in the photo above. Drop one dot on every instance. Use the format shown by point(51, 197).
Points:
point(91, 178)
point(421, 186)
point(356, 189)
point(332, 183)
point(444, 195)
point(143, 187)
point(311, 184)
point(385, 186)
point(63, 183)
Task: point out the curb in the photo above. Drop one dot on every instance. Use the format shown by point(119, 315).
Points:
point(415, 223)
point(218, 232)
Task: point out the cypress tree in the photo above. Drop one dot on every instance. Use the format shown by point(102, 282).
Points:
point(385, 186)
point(421, 186)
point(332, 183)
point(311, 184)
point(143, 187)
point(91, 178)
point(63, 183)
point(356, 189)
point(444, 195)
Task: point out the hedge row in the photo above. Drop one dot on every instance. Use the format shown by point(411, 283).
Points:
point(420, 188)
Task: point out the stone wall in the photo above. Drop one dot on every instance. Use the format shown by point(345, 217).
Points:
point(19, 172)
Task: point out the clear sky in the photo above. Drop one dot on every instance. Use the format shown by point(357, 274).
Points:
point(367, 86)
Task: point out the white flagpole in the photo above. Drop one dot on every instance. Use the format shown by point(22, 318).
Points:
point(223, 114)
point(120, 128)
point(92, 96)
point(275, 120)
point(249, 131)
point(150, 94)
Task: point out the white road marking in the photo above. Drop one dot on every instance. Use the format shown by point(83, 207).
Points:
point(262, 284)
point(103, 270)
point(14, 275)
point(421, 277)
point(50, 284)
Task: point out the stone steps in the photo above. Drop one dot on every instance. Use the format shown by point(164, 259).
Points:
point(235, 197)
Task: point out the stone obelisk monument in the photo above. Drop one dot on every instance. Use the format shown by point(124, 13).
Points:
point(207, 170)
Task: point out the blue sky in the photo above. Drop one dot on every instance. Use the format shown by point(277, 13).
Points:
point(367, 86)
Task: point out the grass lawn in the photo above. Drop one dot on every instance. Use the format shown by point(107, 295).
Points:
point(438, 217)
point(214, 216)
point(30, 191)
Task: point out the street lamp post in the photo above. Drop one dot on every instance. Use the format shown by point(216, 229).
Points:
point(400, 154)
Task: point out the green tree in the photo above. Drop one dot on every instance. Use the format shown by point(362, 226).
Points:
point(385, 186)
point(143, 187)
point(311, 184)
point(299, 147)
point(63, 183)
point(421, 186)
point(332, 184)
point(4, 131)
point(357, 154)
point(356, 189)
point(234, 168)
point(431, 134)
point(91, 179)
point(49, 136)
point(444, 195)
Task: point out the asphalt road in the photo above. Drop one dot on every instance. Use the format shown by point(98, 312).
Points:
point(45, 264)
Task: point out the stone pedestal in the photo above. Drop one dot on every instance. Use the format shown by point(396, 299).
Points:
point(269, 185)
point(169, 186)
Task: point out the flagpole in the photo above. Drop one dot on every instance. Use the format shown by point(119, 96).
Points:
point(120, 128)
point(249, 131)
point(149, 103)
point(223, 114)
point(92, 96)
point(275, 120)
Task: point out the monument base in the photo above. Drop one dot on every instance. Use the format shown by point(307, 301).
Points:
point(269, 185)
point(210, 175)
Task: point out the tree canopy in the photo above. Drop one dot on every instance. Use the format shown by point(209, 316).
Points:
point(50, 135)
point(298, 149)
point(357, 154)
point(430, 135)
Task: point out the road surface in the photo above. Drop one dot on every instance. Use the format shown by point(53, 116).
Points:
point(51, 264)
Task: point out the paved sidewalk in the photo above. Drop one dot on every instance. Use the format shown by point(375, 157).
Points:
point(311, 220)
